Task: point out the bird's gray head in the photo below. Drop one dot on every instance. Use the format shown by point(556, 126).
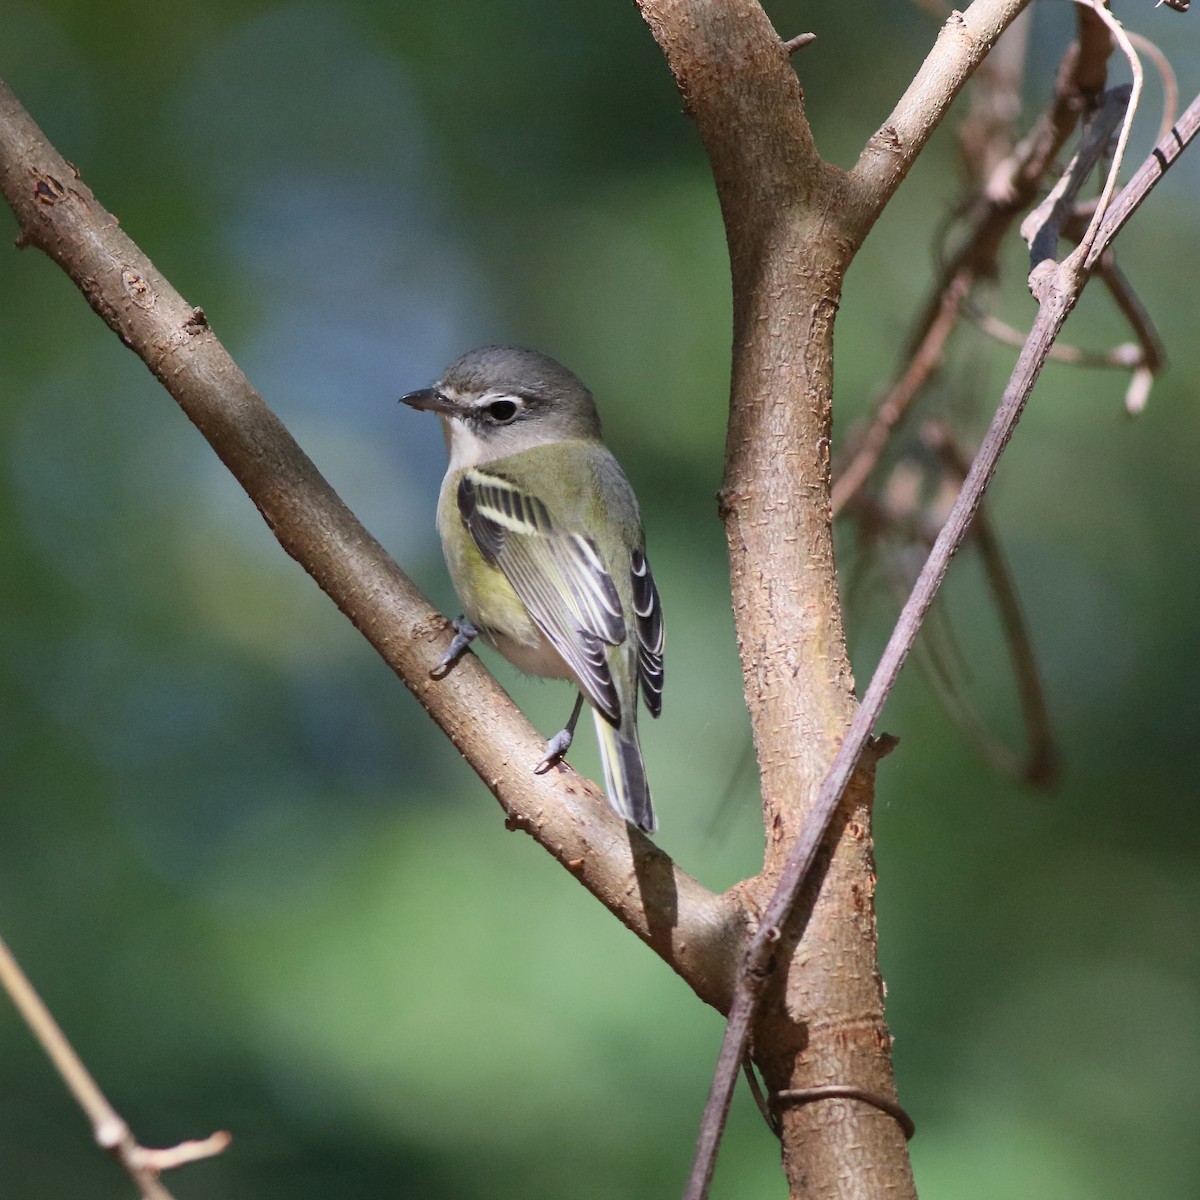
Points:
point(499, 400)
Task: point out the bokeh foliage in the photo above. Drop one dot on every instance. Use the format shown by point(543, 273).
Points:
point(257, 887)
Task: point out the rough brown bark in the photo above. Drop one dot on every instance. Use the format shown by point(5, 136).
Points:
point(793, 224)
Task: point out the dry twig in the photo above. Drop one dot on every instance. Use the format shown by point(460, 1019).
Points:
point(143, 1165)
point(1006, 190)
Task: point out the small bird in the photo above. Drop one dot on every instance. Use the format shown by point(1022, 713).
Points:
point(544, 545)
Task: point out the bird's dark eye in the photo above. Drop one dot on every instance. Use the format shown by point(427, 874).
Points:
point(502, 411)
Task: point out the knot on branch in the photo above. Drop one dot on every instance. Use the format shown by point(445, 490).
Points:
point(886, 139)
point(46, 189)
point(137, 289)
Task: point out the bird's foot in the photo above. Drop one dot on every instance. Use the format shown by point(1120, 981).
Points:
point(464, 634)
point(556, 747)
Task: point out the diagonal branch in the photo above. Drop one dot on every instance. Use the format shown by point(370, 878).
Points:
point(1170, 146)
point(964, 41)
point(696, 932)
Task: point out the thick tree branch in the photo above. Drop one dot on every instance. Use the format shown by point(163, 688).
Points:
point(822, 1022)
point(696, 932)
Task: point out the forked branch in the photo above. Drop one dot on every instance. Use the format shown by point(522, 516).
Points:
point(143, 1165)
point(1057, 287)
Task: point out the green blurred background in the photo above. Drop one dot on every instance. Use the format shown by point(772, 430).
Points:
point(258, 888)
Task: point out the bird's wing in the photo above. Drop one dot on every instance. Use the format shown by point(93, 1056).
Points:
point(648, 620)
point(558, 576)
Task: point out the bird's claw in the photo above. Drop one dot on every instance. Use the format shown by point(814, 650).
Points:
point(556, 747)
point(464, 634)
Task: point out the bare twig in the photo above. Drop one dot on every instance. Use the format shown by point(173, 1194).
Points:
point(896, 401)
point(1166, 73)
point(1144, 359)
point(799, 42)
point(1152, 357)
point(1040, 767)
point(1135, 96)
point(1144, 179)
point(987, 132)
point(1006, 191)
point(900, 514)
point(1043, 226)
point(108, 1126)
point(1126, 356)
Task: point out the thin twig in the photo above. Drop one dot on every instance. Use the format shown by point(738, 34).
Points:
point(1144, 179)
point(1043, 226)
point(1041, 763)
point(760, 1099)
point(799, 42)
point(1127, 356)
point(1007, 190)
point(1144, 360)
point(1152, 354)
point(988, 131)
point(901, 514)
point(894, 405)
point(1058, 297)
point(837, 1091)
point(108, 1126)
point(1162, 64)
point(1135, 66)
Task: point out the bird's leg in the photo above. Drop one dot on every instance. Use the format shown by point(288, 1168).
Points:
point(464, 634)
point(560, 743)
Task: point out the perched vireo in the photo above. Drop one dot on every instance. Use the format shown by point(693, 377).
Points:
point(544, 543)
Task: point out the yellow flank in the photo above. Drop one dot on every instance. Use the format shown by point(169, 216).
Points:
point(488, 599)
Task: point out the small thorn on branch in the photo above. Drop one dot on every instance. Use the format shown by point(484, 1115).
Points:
point(798, 42)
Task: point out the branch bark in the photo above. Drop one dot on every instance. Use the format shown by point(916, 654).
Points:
point(792, 224)
point(965, 40)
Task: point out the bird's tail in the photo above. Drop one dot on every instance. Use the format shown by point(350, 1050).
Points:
point(624, 773)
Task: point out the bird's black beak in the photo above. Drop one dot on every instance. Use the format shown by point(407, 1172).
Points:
point(430, 400)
